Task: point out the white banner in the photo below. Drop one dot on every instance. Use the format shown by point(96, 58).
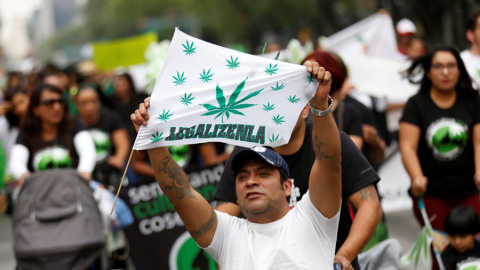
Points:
point(208, 93)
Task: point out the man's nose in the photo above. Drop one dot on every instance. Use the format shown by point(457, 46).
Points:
point(251, 181)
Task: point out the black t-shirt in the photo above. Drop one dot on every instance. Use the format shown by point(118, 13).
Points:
point(457, 261)
point(367, 117)
point(348, 119)
point(101, 132)
point(53, 154)
point(445, 149)
point(356, 174)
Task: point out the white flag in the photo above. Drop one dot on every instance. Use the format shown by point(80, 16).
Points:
point(208, 93)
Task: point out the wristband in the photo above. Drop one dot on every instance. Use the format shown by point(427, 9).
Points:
point(320, 112)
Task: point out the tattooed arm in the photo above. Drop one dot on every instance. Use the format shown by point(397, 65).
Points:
point(325, 183)
point(197, 214)
point(369, 214)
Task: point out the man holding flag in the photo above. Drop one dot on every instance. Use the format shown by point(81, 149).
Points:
point(272, 236)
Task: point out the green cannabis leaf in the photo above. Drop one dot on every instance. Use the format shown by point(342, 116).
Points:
point(156, 137)
point(293, 99)
point(189, 49)
point(232, 106)
point(310, 78)
point(233, 64)
point(268, 107)
point(206, 76)
point(186, 100)
point(278, 87)
point(273, 139)
point(180, 79)
point(165, 116)
point(270, 70)
point(278, 120)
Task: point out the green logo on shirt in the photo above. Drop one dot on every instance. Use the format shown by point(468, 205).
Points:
point(52, 158)
point(102, 143)
point(447, 138)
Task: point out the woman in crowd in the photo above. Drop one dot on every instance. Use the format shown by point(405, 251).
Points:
point(13, 112)
point(108, 132)
point(440, 136)
point(50, 138)
point(346, 115)
point(126, 100)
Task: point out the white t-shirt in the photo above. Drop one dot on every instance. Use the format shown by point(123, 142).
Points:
point(302, 239)
point(472, 63)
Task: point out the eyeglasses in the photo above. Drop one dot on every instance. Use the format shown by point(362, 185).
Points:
point(51, 102)
point(439, 67)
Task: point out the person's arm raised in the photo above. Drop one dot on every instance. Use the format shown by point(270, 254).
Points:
point(325, 177)
point(198, 216)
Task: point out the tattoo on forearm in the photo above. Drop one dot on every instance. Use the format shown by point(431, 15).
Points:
point(368, 193)
point(179, 181)
point(317, 145)
point(205, 227)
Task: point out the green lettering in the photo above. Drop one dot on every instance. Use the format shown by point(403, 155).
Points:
point(231, 131)
point(221, 134)
point(260, 137)
point(180, 134)
point(249, 134)
point(208, 134)
point(240, 133)
point(137, 210)
point(189, 132)
point(171, 137)
point(199, 133)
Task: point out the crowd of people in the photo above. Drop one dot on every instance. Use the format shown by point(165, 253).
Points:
point(55, 118)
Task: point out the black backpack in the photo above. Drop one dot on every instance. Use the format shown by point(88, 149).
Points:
point(57, 224)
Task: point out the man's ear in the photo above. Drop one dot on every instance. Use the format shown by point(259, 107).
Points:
point(287, 186)
point(470, 36)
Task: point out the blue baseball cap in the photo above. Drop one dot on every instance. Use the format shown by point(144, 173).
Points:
point(270, 156)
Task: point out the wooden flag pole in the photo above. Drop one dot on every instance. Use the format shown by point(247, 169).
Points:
point(121, 183)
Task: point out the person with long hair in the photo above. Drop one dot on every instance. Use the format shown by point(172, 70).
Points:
point(126, 100)
point(346, 116)
point(439, 136)
point(50, 138)
point(13, 112)
point(108, 132)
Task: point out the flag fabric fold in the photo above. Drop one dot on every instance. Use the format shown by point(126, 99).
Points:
point(207, 93)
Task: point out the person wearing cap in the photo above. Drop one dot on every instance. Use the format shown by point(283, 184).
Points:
point(405, 30)
point(272, 236)
point(471, 57)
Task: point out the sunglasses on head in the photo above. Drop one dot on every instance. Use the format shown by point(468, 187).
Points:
point(51, 102)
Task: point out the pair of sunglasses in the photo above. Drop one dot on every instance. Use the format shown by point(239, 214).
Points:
point(51, 102)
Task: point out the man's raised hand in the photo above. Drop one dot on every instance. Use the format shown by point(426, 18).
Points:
point(324, 78)
point(140, 116)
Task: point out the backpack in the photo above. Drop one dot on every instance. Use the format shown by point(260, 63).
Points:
point(56, 223)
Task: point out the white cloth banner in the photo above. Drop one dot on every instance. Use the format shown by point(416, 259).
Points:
point(208, 93)
point(369, 49)
point(374, 36)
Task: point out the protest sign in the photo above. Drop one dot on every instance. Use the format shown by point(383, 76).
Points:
point(109, 55)
point(157, 237)
point(208, 93)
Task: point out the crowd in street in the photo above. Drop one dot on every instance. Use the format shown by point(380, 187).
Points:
point(55, 118)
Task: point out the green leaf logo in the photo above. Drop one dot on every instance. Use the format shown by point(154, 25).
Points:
point(206, 76)
point(233, 64)
point(180, 79)
point(278, 87)
point(189, 49)
point(268, 107)
point(293, 99)
point(270, 70)
point(233, 106)
point(187, 100)
point(165, 116)
point(310, 78)
point(273, 139)
point(278, 120)
point(156, 137)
